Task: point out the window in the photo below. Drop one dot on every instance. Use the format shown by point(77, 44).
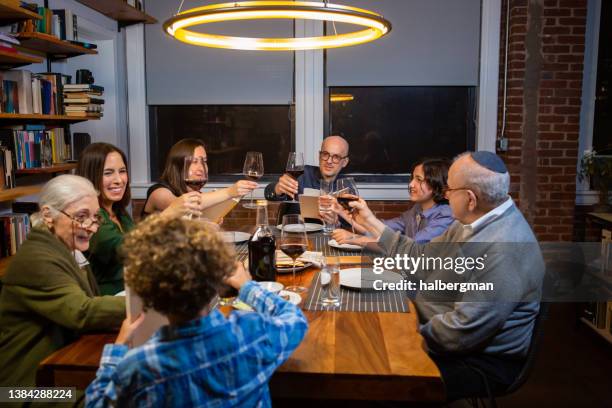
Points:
point(228, 131)
point(602, 122)
point(390, 128)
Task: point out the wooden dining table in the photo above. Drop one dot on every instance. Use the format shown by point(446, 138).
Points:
point(344, 355)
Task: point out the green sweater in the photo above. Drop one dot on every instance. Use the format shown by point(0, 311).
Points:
point(45, 302)
point(103, 256)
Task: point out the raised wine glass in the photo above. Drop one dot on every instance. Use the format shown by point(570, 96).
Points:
point(295, 166)
point(253, 170)
point(347, 192)
point(195, 174)
point(293, 243)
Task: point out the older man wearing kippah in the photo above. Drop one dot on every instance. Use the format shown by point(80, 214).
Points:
point(478, 339)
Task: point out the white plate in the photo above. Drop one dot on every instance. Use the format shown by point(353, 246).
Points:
point(235, 236)
point(363, 278)
point(310, 227)
point(297, 268)
point(293, 297)
point(350, 247)
point(273, 287)
point(122, 293)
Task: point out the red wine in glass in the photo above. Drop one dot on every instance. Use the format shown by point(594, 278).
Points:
point(195, 184)
point(252, 175)
point(295, 173)
point(293, 251)
point(345, 199)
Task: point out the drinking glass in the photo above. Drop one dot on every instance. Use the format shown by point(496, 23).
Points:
point(330, 281)
point(253, 170)
point(293, 243)
point(347, 192)
point(295, 167)
point(195, 174)
point(325, 205)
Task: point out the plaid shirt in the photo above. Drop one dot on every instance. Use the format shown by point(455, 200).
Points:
point(211, 361)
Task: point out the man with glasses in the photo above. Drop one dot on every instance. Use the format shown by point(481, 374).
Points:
point(333, 158)
point(478, 338)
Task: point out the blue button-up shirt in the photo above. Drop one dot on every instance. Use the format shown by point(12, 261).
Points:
point(212, 361)
point(422, 226)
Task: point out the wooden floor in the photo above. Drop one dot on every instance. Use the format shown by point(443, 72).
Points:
point(573, 369)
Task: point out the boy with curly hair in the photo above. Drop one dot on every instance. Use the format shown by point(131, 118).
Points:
point(201, 358)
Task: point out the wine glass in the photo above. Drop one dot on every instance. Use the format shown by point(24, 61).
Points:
point(293, 243)
point(295, 166)
point(347, 192)
point(253, 170)
point(195, 174)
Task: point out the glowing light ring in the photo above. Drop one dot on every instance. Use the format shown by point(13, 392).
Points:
point(377, 26)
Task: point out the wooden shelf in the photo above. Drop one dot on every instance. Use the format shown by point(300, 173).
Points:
point(602, 332)
point(52, 46)
point(120, 11)
point(13, 193)
point(56, 168)
point(11, 12)
point(58, 120)
point(13, 60)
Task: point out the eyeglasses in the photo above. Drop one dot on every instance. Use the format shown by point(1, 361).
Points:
point(83, 221)
point(335, 158)
point(447, 190)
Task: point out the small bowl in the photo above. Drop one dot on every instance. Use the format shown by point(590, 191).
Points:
point(270, 286)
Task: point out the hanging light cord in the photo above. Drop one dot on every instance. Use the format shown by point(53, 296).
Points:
point(180, 6)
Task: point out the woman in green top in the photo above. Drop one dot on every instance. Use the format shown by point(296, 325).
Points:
point(49, 294)
point(105, 166)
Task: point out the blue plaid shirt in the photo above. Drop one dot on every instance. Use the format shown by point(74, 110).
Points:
point(212, 361)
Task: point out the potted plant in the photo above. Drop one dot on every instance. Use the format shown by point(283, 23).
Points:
point(598, 169)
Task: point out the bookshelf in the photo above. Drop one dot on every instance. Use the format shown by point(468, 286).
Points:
point(52, 46)
point(11, 194)
point(12, 119)
point(11, 12)
point(56, 168)
point(120, 11)
point(10, 60)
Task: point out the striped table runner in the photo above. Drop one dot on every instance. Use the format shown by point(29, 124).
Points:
point(358, 300)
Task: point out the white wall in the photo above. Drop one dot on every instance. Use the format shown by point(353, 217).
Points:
point(181, 74)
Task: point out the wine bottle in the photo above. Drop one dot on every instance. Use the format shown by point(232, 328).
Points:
point(262, 249)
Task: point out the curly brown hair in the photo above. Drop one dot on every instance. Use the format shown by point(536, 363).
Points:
point(176, 265)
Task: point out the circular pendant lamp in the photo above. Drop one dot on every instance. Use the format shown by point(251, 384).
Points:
point(375, 25)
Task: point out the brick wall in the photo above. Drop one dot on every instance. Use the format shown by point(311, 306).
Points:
point(545, 63)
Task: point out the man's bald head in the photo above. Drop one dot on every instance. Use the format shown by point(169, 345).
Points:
point(336, 143)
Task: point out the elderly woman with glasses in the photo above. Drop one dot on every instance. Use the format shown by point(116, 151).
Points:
point(49, 294)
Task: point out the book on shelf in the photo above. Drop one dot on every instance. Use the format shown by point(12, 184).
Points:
point(93, 115)
point(88, 100)
point(7, 171)
point(36, 148)
point(27, 93)
point(84, 108)
point(88, 88)
point(14, 228)
point(61, 23)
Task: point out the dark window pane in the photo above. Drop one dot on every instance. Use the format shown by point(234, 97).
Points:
point(389, 128)
point(228, 132)
point(602, 122)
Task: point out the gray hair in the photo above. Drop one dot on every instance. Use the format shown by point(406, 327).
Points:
point(491, 187)
point(59, 193)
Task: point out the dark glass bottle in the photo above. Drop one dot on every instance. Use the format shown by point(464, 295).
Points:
point(262, 249)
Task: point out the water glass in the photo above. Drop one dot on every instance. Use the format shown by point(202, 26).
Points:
point(325, 206)
point(330, 281)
